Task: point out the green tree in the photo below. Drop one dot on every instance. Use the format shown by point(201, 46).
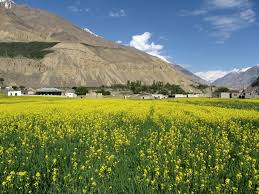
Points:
point(81, 91)
point(15, 87)
point(22, 87)
point(104, 92)
point(2, 81)
point(222, 89)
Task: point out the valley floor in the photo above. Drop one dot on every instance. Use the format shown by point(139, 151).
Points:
point(53, 145)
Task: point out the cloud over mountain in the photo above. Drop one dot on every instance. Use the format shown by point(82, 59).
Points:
point(143, 42)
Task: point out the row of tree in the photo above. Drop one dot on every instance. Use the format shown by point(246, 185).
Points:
point(80, 91)
point(138, 87)
point(1, 81)
point(14, 87)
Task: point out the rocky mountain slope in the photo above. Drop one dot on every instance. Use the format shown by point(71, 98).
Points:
point(254, 87)
point(239, 80)
point(59, 54)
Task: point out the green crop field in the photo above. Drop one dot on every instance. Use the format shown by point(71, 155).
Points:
point(55, 145)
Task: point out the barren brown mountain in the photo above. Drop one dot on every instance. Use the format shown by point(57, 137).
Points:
point(39, 49)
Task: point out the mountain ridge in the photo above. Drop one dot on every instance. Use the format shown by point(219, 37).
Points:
point(238, 80)
point(79, 57)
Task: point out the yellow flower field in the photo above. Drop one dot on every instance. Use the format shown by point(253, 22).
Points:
point(52, 145)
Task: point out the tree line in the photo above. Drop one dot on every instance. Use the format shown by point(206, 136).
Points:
point(138, 87)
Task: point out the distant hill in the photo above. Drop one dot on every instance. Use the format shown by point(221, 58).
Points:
point(239, 80)
point(39, 49)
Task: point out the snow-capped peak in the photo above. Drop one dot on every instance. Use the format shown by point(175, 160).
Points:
point(89, 31)
point(213, 75)
point(8, 4)
point(241, 70)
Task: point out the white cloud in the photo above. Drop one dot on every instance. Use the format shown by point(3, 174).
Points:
point(248, 16)
point(214, 75)
point(119, 42)
point(224, 26)
point(73, 8)
point(196, 12)
point(142, 42)
point(224, 17)
point(120, 13)
point(226, 4)
point(77, 8)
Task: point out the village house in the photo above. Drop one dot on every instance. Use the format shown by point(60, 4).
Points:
point(49, 92)
point(159, 96)
point(31, 92)
point(235, 95)
point(14, 93)
point(94, 95)
point(221, 95)
point(141, 97)
point(248, 95)
point(180, 96)
point(70, 94)
point(145, 97)
point(193, 95)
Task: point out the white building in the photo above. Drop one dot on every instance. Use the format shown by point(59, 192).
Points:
point(193, 95)
point(14, 93)
point(221, 95)
point(235, 95)
point(49, 92)
point(70, 94)
point(250, 95)
point(225, 95)
point(180, 96)
point(141, 97)
point(31, 92)
point(146, 97)
point(159, 96)
point(94, 95)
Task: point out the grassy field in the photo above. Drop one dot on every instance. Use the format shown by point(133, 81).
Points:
point(50, 145)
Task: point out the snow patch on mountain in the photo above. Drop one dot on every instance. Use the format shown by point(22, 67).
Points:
point(241, 70)
point(89, 31)
point(213, 75)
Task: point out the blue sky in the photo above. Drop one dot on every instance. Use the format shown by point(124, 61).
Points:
point(211, 37)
